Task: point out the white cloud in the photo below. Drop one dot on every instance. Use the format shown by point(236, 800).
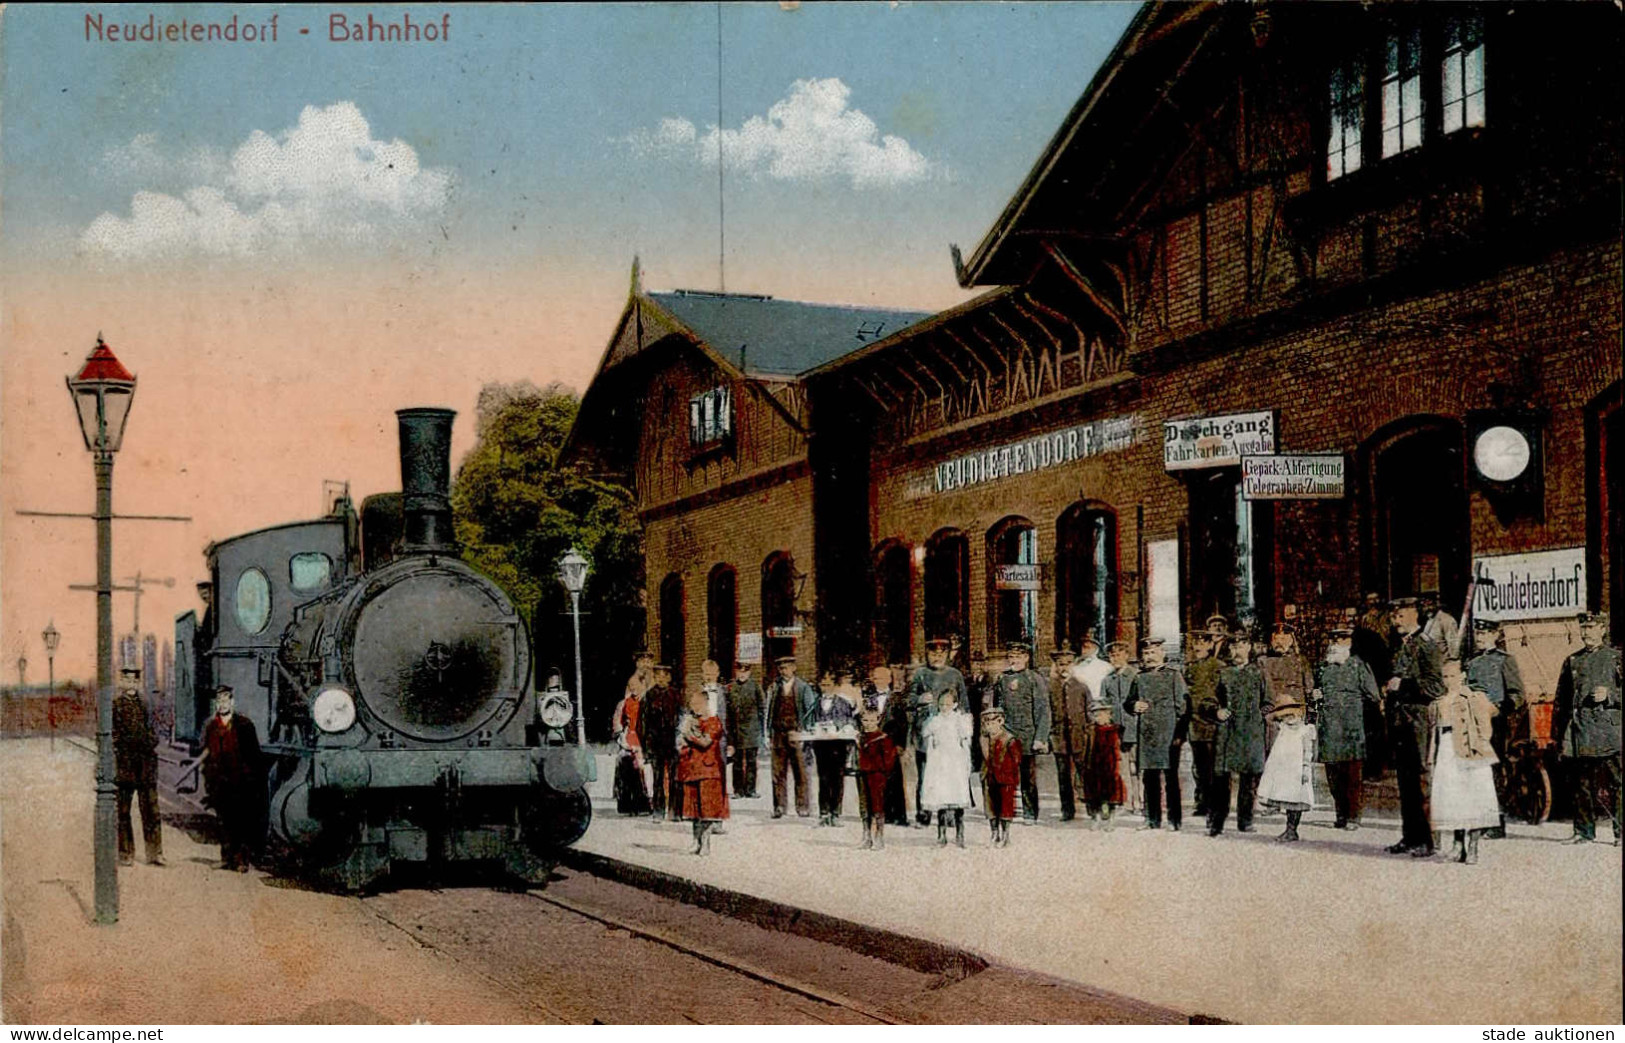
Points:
point(811, 134)
point(324, 180)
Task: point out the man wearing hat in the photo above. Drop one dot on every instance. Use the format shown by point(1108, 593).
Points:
point(1440, 626)
point(930, 680)
point(1344, 687)
point(1024, 697)
point(1069, 699)
point(791, 705)
point(1238, 748)
point(1371, 631)
point(1416, 681)
point(891, 708)
point(1202, 678)
point(978, 686)
point(1287, 677)
point(1115, 689)
point(1218, 630)
point(1159, 699)
point(1495, 673)
point(135, 752)
point(1586, 721)
point(234, 780)
point(657, 736)
point(744, 724)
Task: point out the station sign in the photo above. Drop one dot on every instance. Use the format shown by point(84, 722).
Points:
point(749, 648)
point(1216, 441)
point(793, 630)
point(1035, 453)
point(1017, 577)
point(1541, 585)
point(1314, 476)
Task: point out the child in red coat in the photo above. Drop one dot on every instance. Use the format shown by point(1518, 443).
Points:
point(1001, 772)
point(1102, 771)
point(699, 769)
point(877, 759)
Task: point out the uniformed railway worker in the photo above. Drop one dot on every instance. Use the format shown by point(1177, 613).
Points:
point(1237, 711)
point(1586, 721)
point(744, 728)
point(1023, 696)
point(1416, 682)
point(1160, 701)
point(135, 753)
point(1344, 687)
point(924, 686)
point(1115, 688)
point(657, 735)
point(1494, 672)
point(1202, 678)
point(1069, 700)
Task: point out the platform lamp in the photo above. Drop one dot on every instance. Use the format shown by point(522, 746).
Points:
point(53, 638)
point(573, 574)
point(102, 394)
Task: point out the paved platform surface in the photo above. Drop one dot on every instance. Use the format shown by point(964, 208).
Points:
point(1330, 930)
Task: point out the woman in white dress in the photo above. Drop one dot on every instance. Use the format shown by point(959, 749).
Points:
point(1286, 784)
point(945, 785)
point(1461, 764)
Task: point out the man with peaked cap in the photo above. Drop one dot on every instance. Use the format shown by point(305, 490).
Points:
point(1237, 711)
point(1586, 724)
point(234, 779)
point(1069, 699)
point(1115, 690)
point(1024, 697)
point(978, 685)
point(791, 703)
point(1344, 688)
point(1416, 681)
point(746, 712)
point(924, 686)
point(1494, 672)
point(1287, 677)
point(135, 752)
point(657, 736)
point(1202, 678)
point(1160, 700)
point(1439, 626)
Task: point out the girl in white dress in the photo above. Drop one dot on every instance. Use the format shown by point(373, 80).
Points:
point(1461, 764)
point(945, 784)
point(1286, 783)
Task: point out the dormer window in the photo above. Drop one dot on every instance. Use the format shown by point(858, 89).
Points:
point(1463, 81)
point(1402, 92)
point(710, 417)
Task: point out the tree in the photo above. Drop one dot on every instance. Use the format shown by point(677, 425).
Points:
point(518, 511)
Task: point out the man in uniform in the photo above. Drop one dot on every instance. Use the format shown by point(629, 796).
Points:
point(1024, 697)
point(977, 685)
point(1287, 677)
point(1115, 688)
point(1416, 682)
point(1202, 677)
point(791, 704)
point(1440, 626)
point(1344, 688)
point(657, 735)
point(744, 728)
point(1159, 699)
point(1586, 722)
point(891, 707)
point(135, 752)
point(234, 780)
point(923, 687)
point(1069, 699)
point(1495, 673)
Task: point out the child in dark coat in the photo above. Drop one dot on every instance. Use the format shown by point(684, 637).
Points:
point(1102, 771)
point(699, 769)
point(1001, 772)
point(877, 760)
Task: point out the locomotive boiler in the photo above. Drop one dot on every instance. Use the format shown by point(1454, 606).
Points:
point(400, 719)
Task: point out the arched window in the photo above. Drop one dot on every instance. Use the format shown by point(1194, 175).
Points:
point(1417, 510)
point(893, 614)
point(947, 585)
point(673, 637)
point(779, 626)
point(1086, 575)
point(1013, 581)
point(722, 617)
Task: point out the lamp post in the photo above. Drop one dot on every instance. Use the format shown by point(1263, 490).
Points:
point(573, 574)
point(52, 637)
point(102, 394)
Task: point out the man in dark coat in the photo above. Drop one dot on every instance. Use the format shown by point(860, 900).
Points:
point(1287, 677)
point(1416, 682)
point(1344, 687)
point(891, 708)
point(135, 752)
point(234, 780)
point(1115, 690)
point(1202, 678)
point(1069, 699)
point(791, 703)
point(745, 708)
point(926, 683)
point(1494, 672)
point(657, 734)
point(1024, 697)
point(978, 689)
point(1237, 711)
point(1160, 701)
point(1586, 723)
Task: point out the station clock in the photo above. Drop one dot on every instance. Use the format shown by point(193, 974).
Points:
point(1504, 454)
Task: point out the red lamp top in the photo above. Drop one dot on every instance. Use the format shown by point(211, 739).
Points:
point(102, 364)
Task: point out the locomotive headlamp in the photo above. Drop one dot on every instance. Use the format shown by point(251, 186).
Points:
point(333, 710)
point(556, 712)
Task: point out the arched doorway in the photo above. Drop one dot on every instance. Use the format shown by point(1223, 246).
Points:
point(1013, 589)
point(722, 617)
point(1086, 575)
point(779, 625)
point(893, 613)
point(673, 626)
point(947, 585)
point(1417, 510)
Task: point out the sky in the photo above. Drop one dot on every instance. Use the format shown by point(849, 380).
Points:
point(287, 240)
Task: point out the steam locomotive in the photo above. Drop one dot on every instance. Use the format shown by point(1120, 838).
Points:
point(391, 686)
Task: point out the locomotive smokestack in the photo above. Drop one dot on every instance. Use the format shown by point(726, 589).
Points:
point(426, 480)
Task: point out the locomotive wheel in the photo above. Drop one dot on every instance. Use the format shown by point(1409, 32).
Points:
point(556, 820)
point(1531, 791)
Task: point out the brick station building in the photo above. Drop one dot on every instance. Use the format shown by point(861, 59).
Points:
point(1300, 302)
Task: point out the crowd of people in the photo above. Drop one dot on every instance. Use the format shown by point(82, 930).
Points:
point(1256, 713)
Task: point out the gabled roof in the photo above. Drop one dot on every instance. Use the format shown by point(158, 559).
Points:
point(764, 336)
